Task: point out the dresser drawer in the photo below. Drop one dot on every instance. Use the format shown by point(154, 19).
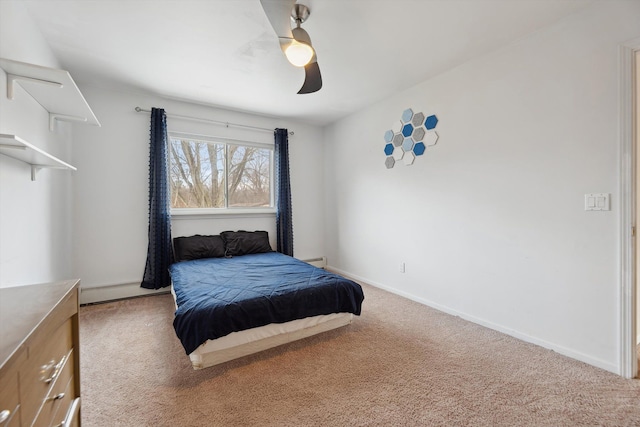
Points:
point(9, 404)
point(60, 394)
point(65, 405)
point(47, 362)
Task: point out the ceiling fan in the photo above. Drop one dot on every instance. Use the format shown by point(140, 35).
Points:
point(295, 43)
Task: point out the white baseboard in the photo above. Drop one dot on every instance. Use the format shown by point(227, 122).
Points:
point(113, 292)
point(496, 327)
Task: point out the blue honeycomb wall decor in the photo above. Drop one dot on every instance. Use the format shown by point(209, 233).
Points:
point(409, 137)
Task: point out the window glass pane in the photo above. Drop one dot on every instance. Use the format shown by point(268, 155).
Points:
point(196, 173)
point(198, 178)
point(249, 176)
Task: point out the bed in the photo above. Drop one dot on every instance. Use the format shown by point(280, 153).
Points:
point(234, 296)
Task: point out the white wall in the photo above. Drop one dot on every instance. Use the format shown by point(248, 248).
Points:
point(491, 220)
point(35, 217)
point(111, 186)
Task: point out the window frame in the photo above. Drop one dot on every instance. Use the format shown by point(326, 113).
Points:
point(227, 210)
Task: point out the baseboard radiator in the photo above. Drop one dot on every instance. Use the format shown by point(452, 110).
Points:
point(320, 262)
point(114, 292)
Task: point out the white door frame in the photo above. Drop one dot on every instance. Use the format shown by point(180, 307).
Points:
point(628, 196)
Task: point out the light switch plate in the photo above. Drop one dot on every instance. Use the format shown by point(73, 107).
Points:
point(597, 202)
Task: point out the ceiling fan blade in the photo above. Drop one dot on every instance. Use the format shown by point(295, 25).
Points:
point(312, 78)
point(279, 15)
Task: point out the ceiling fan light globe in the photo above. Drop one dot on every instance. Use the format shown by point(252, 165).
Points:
point(299, 54)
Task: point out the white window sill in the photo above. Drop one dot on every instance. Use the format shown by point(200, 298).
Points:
point(180, 214)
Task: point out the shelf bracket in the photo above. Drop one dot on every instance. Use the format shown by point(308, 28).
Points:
point(37, 168)
point(64, 117)
point(34, 170)
point(12, 78)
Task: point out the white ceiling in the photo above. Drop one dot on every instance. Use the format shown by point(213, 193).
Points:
point(225, 53)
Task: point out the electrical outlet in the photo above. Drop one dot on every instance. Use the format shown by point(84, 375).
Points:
point(402, 267)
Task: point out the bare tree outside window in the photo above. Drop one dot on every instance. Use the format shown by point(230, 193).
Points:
point(199, 179)
point(249, 176)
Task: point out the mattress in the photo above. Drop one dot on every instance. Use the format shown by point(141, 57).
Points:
point(217, 297)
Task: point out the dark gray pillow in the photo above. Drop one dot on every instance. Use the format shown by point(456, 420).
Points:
point(196, 247)
point(245, 242)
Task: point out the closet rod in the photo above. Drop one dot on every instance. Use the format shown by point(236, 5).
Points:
point(218, 122)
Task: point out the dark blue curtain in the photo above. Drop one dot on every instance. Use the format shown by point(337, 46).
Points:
point(284, 224)
point(160, 250)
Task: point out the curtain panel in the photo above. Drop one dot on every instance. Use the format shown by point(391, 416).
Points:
point(284, 223)
point(159, 250)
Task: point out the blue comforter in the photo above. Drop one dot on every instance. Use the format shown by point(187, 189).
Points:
point(217, 296)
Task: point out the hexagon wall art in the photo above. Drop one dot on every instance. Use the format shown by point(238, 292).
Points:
point(409, 138)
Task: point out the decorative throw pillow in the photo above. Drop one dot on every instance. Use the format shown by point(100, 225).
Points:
point(196, 247)
point(245, 242)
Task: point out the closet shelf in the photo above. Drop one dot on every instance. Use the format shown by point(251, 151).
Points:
point(54, 89)
point(15, 147)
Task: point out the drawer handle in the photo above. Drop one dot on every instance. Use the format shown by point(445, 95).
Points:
point(71, 413)
point(56, 370)
point(6, 415)
point(58, 396)
point(45, 369)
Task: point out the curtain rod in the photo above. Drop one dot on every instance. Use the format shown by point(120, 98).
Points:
point(218, 122)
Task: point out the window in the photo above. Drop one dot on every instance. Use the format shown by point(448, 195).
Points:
point(209, 173)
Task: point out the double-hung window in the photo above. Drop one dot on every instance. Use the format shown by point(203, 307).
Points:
point(215, 175)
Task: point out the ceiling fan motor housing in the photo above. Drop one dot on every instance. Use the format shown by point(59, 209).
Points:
point(299, 13)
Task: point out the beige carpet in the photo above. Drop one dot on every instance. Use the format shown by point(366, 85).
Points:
point(399, 364)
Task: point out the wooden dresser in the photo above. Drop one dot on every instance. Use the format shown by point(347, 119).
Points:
point(39, 355)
